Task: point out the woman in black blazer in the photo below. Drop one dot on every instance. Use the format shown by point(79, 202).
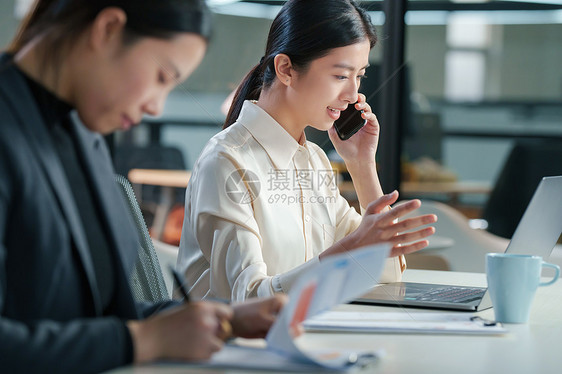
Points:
point(79, 69)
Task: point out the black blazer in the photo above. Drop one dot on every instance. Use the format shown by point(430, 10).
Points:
point(50, 312)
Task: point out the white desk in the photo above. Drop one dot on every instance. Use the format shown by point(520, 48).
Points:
point(535, 347)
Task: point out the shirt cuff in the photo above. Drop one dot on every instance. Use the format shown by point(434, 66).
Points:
point(265, 288)
point(284, 282)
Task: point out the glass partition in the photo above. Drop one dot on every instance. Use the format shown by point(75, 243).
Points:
point(484, 77)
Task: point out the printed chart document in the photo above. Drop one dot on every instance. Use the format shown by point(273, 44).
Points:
point(421, 323)
point(332, 281)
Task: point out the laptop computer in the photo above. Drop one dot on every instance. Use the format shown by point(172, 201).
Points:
point(536, 234)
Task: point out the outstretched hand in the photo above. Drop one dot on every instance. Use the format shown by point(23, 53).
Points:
point(383, 225)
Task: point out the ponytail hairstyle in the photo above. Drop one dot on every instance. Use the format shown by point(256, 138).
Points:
point(304, 30)
point(60, 22)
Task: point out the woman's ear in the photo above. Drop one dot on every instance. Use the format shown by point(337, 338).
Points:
point(283, 68)
point(107, 27)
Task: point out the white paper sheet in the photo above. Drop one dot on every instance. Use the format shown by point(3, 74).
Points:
point(423, 323)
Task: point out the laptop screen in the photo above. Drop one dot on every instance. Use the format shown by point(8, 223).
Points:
point(541, 225)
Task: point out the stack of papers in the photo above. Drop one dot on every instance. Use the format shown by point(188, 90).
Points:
point(422, 323)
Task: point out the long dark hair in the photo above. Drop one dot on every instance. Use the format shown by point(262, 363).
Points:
point(62, 21)
point(304, 30)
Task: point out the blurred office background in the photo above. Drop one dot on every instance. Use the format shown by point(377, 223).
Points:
point(478, 78)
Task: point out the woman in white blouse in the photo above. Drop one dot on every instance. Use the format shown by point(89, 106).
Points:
point(262, 204)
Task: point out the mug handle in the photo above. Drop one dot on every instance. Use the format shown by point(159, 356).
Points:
point(556, 269)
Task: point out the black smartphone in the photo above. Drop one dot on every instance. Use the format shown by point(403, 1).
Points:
point(350, 122)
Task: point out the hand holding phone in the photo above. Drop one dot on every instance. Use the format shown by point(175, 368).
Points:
point(350, 122)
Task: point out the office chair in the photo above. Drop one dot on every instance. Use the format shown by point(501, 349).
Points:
point(152, 156)
point(147, 282)
point(528, 161)
point(168, 257)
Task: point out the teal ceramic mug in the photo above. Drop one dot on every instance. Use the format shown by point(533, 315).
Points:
point(512, 283)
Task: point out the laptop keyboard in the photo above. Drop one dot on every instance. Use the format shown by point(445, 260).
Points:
point(452, 294)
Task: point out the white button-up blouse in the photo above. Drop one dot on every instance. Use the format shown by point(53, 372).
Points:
point(259, 210)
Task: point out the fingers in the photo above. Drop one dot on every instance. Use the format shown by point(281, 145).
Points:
point(211, 327)
point(224, 330)
point(405, 234)
point(207, 344)
point(364, 106)
point(382, 202)
point(361, 99)
point(223, 314)
point(222, 311)
point(400, 234)
point(272, 307)
point(410, 223)
point(368, 114)
point(400, 210)
point(412, 236)
point(398, 250)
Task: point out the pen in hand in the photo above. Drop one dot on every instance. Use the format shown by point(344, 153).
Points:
point(178, 278)
point(226, 328)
